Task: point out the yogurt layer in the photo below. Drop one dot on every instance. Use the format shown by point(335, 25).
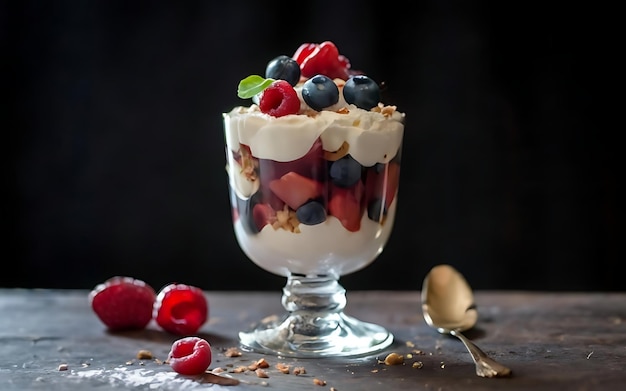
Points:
point(322, 249)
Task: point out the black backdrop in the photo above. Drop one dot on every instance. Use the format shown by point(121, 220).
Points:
point(114, 157)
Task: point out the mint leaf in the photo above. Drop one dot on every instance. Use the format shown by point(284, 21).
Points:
point(252, 85)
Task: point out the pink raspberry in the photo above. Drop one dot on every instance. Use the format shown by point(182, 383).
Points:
point(190, 356)
point(279, 99)
point(181, 309)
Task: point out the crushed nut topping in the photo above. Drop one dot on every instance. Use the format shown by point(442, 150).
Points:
point(338, 154)
point(287, 220)
point(387, 111)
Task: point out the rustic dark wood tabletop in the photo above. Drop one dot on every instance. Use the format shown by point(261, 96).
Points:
point(51, 340)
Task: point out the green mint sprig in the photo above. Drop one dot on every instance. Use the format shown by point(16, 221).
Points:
point(252, 85)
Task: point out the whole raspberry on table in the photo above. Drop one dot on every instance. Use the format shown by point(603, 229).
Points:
point(123, 303)
point(181, 309)
point(190, 356)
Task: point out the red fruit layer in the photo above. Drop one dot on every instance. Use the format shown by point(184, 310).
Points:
point(296, 182)
point(387, 180)
point(347, 205)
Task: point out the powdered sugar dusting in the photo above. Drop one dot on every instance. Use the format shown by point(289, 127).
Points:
point(147, 379)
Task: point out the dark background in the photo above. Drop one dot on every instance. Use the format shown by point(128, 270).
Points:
point(114, 153)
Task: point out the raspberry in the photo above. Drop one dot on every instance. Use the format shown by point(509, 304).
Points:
point(322, 59)
point(181, 309)
point(190, 356)
point(123, 303)
point(279, 99)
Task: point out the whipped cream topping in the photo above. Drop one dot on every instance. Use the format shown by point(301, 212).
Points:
point(372, 136)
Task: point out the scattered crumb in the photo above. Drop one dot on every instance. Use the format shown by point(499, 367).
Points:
point(63, 367)
point(212, 378)
point(262, 363)
point(282, 367)
point(319, 382)
point(443, 365)
point(410, 344)
point(144, 355)
point(261, 373)
point(417, 364)
point(589, 355)
point(240, 369)
point(232, 352)
point(394, 359)
point(299, 371)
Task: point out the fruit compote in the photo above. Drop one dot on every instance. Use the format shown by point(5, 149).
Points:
point(313, 165)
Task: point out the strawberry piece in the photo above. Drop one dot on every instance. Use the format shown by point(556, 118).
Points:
point(190, 356)
point(279, 99)
point(123, 303)
point(295, 189)
point(181, 309)
point(347, 205)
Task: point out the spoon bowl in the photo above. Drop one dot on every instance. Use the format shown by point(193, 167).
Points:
point(448, 306)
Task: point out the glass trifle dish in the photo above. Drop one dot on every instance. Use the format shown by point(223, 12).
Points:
point(313, 165)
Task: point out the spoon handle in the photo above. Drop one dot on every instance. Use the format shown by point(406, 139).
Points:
point(485, 366)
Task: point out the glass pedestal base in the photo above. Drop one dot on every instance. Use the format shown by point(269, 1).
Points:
point(315, 324)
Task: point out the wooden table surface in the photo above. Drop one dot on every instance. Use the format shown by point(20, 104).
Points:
point(551, 341)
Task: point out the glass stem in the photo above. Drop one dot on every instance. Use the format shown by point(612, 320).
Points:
point(315, 296)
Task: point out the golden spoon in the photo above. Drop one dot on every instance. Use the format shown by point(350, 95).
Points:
point(448, 306)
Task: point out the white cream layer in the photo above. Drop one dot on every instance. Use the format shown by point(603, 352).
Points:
point(322, 249)
point(373, 138)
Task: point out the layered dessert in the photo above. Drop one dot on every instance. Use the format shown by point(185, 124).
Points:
point(313, 164)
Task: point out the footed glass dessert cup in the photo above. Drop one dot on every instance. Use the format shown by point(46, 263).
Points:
point(312, 202)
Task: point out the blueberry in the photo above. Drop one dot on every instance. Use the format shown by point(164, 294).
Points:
point(320, 92)
point(362, 92)
point(283, 68)
point(345, 172)
point(311, 213)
